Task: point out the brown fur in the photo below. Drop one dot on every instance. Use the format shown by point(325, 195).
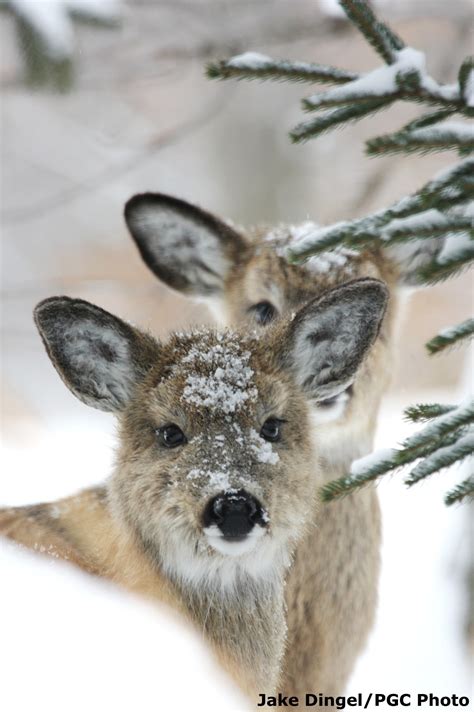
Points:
point(145, 530)
point(335, 570)
point(332, 588)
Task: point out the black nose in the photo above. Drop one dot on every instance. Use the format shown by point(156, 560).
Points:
point(235, 513)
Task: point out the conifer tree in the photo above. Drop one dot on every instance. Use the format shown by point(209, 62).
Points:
point(443, 207)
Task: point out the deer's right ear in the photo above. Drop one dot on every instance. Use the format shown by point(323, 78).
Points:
point(100, 358)
point(189, 249)
point(328, 339)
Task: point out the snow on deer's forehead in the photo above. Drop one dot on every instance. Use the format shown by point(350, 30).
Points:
point(219, 376)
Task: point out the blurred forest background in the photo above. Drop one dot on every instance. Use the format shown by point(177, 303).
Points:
point(140, 115)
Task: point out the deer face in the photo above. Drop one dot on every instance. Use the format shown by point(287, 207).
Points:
point(246, 280)
point(217, 460)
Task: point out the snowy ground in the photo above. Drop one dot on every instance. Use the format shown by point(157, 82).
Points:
point(61, 630)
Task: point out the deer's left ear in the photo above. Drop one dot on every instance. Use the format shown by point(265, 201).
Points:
point(100, 358)
point(186, 247)
point(328, 339)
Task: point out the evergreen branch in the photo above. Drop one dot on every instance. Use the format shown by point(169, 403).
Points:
point(353, 112)
point(426, 411)
point(426, 139)
point(379, 35)
point(352, 95)
point(370, 468)
point(458, 493)
point(451, 337)
point(429, 119)
point(442, 457)
point(466, 84)
point(455, 185)
point(435, 271)
point(406, 230)
point(440, 427)
point(264, 68)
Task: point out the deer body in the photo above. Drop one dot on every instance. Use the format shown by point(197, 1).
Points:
point(244, 277)
point(217, 466)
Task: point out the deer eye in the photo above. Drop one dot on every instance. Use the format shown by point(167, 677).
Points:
point(171, 436)
point(264, 312)
point(271, 430)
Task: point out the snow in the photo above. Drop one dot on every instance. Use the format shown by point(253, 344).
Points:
point(366, 463)
point(249, 60)
point(438, 426)
point(468, 92)
point(449, 332)
point(72, 641)
point(463, 131)
point(424, 220)
point(286, 238)
point(262, 449)
point(418, 642)
point(311, 239)
point(379, 82)
point(127, 667)
point(383, 81)
point(324, 262)
point(228, 386)
point(431, 462)
point(51, 19)
point(454, 246)
point(332, 9)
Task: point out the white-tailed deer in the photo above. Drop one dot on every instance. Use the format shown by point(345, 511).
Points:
point(217, 466)
point(244, 277)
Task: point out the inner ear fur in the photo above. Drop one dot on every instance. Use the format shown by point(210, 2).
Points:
point(329, 337)
point(99, 357)
point(186, 247)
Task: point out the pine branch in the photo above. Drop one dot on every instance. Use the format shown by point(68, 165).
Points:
point(433, 117)
point(437, 271)
point(426, 411)
point(455, 185)
point(427, 139)
point(440, 427)
point(466, 84)
point(442, 457)
point(458, 493)
point(372, 467)
point(379, 35)
point(337, 117)
point(405, 230)
point(254, 66)
point(451, 337)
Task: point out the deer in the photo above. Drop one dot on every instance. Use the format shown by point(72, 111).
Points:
point(244, 278)
point(217, 464)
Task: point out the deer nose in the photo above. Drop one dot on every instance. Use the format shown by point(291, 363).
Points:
point(234, 513)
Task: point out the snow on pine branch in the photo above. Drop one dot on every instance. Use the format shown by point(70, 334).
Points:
point(442, 425)
point(443, 457)
point(383, 81)
point(421, 209)
point(445, 136)
point(51, 19)
point(447, 439)
point(253, 65)
point(451, 336)
point(46, 34)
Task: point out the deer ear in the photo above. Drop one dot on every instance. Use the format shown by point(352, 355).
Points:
point(187, 248)
point(328, 339)
point(100, 358)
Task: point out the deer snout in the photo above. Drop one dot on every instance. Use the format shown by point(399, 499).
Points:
point(234, 514)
